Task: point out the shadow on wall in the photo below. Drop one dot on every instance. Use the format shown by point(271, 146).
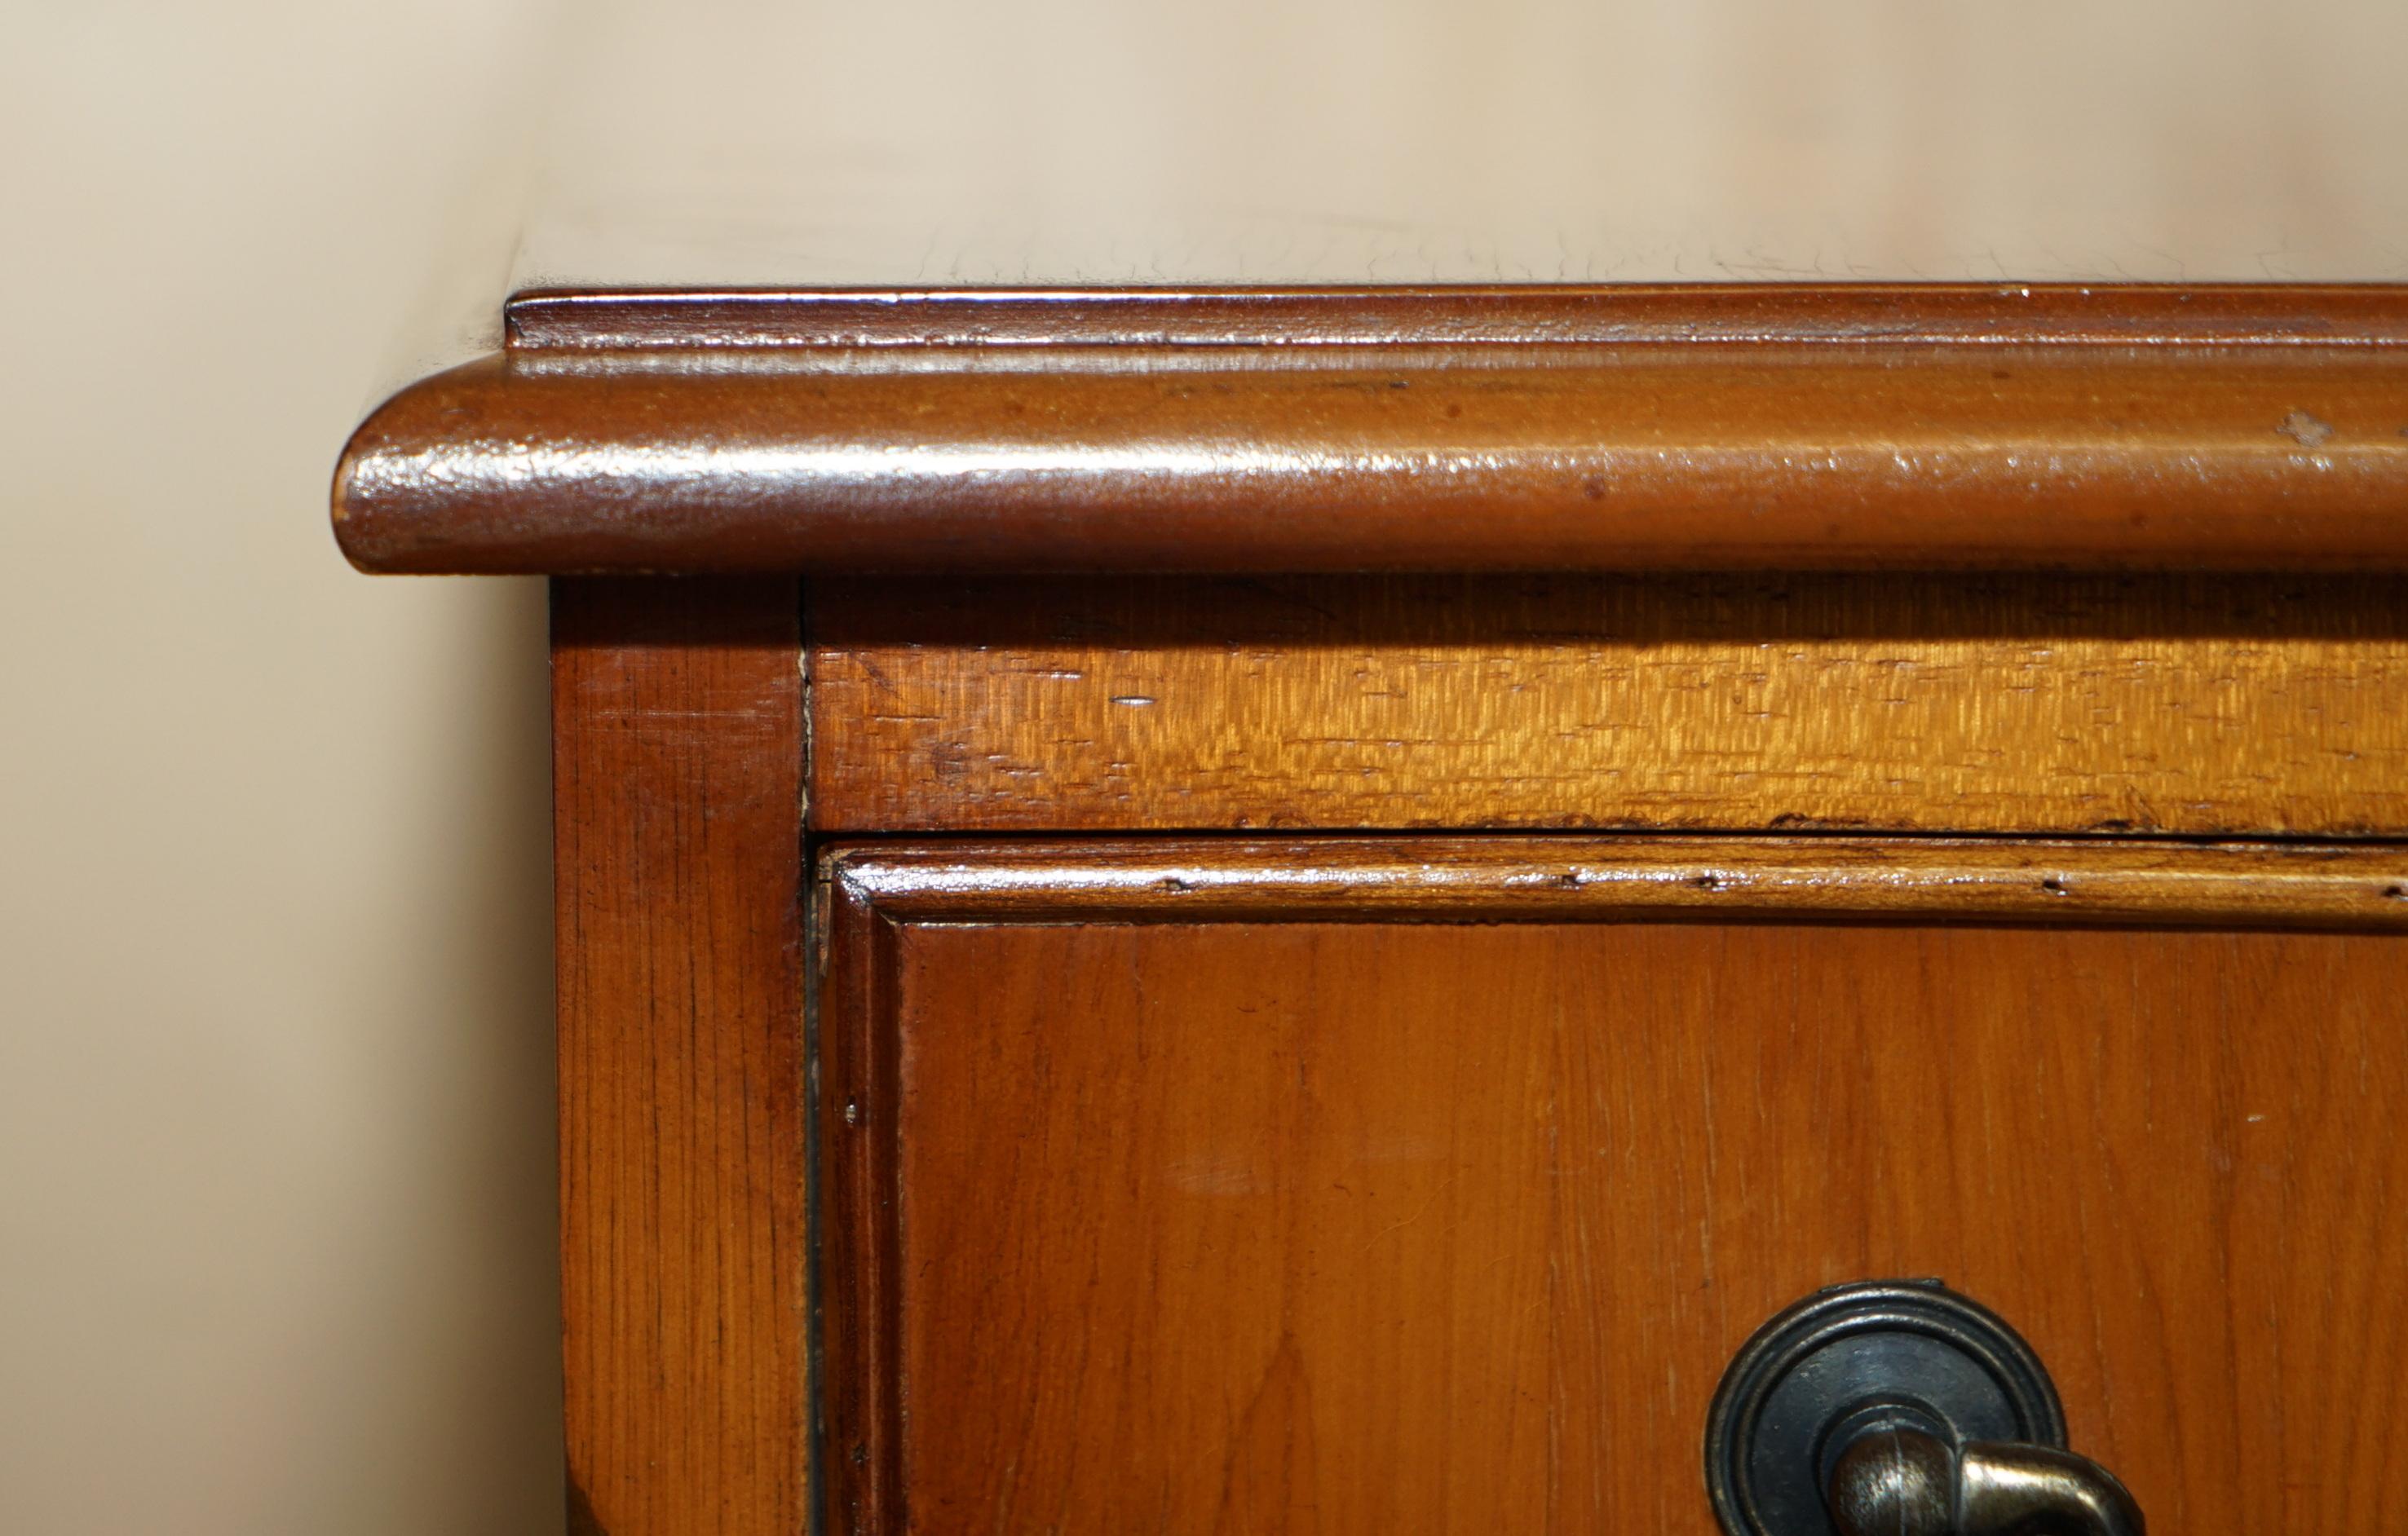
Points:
point(441, 1299)
point(492, 1418)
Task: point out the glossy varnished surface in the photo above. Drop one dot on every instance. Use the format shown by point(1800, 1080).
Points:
point(1934, 703)
point(677, 756)
point(1811, 436)
point(1173, 1192)
point(1532, 879)
point(602, 320)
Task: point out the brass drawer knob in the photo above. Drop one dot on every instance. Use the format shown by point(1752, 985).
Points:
point(1898, 1480)
point(1899, 1408)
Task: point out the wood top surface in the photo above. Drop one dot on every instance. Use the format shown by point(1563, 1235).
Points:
point(1472, 428)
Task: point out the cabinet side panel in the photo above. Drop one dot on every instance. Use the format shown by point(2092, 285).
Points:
point(678, 756)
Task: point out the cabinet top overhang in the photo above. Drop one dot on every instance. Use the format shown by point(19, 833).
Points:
point(1466, 427)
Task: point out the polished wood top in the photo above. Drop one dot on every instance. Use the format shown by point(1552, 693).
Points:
point(951, 143)
point(1526, 429)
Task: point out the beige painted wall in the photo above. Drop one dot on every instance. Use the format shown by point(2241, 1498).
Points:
point(275, 1189)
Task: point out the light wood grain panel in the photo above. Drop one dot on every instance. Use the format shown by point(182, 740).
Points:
point(1225, 1222)
point(2185, 705)
point(678, 756)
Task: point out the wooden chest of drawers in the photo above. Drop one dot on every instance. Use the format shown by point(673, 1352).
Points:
point(1296, 911)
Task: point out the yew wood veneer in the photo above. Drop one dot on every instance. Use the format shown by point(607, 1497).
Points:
point(1294, 911)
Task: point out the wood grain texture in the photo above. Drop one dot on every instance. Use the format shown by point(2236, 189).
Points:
point(1245, 1218)
point(678, 757)
point(2001, 314)
point(2190, 705)
point(2004, 448)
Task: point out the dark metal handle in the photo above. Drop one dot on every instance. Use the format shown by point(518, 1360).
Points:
point(1895, 1479)
point(1898, 1408)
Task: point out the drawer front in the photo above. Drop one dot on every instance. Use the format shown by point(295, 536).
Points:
point(1430, 1186)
